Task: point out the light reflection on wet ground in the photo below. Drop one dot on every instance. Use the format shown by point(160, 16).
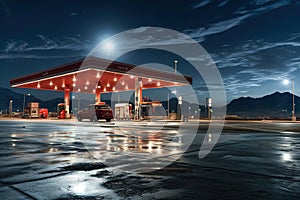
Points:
point(251, 160)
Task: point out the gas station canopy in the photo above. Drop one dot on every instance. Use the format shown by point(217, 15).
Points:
point(91, 74)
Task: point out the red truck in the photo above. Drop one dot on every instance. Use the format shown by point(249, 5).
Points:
point(97, 111)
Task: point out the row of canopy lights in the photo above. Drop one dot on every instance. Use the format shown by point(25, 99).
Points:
point(87, 83)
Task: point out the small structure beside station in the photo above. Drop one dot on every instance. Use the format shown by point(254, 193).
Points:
point(95, 75)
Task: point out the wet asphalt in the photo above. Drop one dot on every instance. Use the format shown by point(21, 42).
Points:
point(52, 159)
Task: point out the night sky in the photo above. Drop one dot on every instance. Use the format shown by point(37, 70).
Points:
point(254, 43)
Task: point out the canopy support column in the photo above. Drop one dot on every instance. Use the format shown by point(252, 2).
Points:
point(138, 97)
point(98, 96)
point(67, 102)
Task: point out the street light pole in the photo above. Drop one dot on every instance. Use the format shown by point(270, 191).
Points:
point(24, 103)
point(175, 66)
point(173, 92)
point(10, 107)
point(168, 105)
point(293, 115)
point(199, 113)
point(293, 96)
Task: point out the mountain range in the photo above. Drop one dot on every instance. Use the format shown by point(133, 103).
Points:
point(277, 105)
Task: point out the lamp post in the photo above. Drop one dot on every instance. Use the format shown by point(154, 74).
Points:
point(24, 103)
point(175, 66)
point(178, 115)
point(199, 113)
point(293, 96)
point(10, 107)
point(173, 92)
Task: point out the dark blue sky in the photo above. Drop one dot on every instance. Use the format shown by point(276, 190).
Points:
point(255, 43)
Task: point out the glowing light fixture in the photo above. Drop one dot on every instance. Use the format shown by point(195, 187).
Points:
point(38, 85)
point(126, 87)
point(114, 88)
point(78, 90)
point(123, 83)
point(149, 80)
point(85, 87)
point(108, 85)
point(115, 79)
point(158, 83)
point(104, 89)
point(131, 76)
point(73, 84)
point(98, 75)
point(94, 91)
point(55, 87)
point(51, 83)
point(87, 83)
point(74, 78)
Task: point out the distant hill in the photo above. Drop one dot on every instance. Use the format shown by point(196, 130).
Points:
point(273, 105)
point(6, 95)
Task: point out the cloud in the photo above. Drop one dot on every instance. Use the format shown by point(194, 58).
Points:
point(234, 85)
point(73, 14)
point(53, 47)
point(253, 63)
point(200, 33)
point(223, 3)
point(4, 9)
point(46, 44)
point(242, 15)
point(272, 6)
point(202, 3)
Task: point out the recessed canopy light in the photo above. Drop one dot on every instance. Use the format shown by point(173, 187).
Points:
point(98, 75)
point(158, 83)
point(108, 85)
point(115, 79)
point(74, 78)
point(104, 89)
point(87, 83)
point(51, 83)
point(126, 87)
point(55, 87)
point(38, 85)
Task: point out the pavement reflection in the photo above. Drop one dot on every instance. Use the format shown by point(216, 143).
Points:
point(57, 160)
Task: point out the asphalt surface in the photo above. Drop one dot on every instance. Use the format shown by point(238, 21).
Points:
point(52, 159)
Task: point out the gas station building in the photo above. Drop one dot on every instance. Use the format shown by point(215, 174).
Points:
point(95, 76)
